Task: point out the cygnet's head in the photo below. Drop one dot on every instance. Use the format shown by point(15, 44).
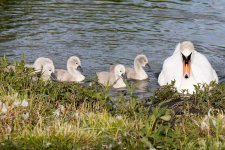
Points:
point(187, 49)
point(40, 62)
point(74, 62)
point(142, 60)
point(44, 60)
point(48, 71)
point(120, 70)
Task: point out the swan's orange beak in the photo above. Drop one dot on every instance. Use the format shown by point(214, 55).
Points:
point(186, 66)
point(186, 69)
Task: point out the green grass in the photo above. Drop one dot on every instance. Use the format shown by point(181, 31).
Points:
point(74, 116)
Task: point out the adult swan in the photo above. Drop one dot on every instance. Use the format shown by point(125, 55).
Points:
point(187, 67)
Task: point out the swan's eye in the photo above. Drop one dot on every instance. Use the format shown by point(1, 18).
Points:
point(50, 70)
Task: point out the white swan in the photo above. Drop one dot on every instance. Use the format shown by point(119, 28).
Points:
point(71, 74)
point(187, 67)
point(113, 78)
point(138, 73)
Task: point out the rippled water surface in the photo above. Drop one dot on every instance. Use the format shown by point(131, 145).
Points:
point(105, 32)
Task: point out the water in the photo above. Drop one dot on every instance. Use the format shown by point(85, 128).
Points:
point(106, 32)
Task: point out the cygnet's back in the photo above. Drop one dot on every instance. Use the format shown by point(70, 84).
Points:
point(64, 75)
point(106, 78)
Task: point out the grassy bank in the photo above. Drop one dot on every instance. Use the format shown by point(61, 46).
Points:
point(50, 115)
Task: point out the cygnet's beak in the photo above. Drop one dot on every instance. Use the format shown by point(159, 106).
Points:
point(80, 68)
point(53, 77)
point(124, 76)
point(148, 67)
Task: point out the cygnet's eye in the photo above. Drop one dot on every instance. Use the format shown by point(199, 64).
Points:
point(120, 71)
point(50, 70)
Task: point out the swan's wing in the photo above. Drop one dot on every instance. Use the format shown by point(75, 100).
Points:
point(161, 78)
point(203, 74)
point(202, 69)
point(215, 76)
point(172, 70)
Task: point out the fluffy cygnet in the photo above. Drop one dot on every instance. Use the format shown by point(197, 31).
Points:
point(48, 72)
point(42, 65)
point(113, 78)
point(71, 74)
point(138, 73)
point(39, 63)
